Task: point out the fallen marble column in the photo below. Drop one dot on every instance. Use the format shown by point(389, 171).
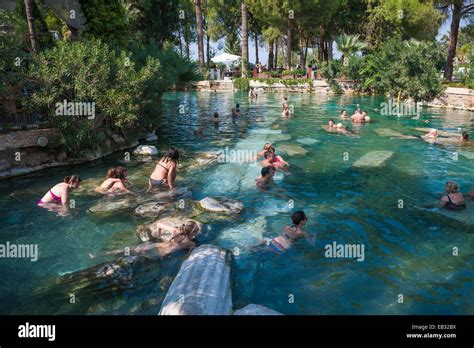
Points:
point(202, 286)
point(255, 309)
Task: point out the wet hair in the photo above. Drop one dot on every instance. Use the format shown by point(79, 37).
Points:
point(331, 120)
point(72, 179)
point(465, 136)
point(111, 173)
point(266, 144)
point(272, 149)
point(190, 229)
point(297, 217)
point(216, 114)
point(343, 110)
point(172, 154)
point(268, 154)
point(120, 172)
point(266, 170)
point(451, 187)
point(285, 98)
point(237, 106)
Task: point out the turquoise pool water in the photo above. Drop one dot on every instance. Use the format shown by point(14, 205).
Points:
point(407, 251)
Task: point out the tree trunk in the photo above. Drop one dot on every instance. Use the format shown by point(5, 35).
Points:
point(256, 48)
point(245, 39)
point(208, 48)
point(270, 55)
point(330, 49)
point(453, 39)
point(305, 52)
point(302, 49)
point(197, 6)
point(288, 45)
point(31, 27)
point(186, 43)
point(276, 55)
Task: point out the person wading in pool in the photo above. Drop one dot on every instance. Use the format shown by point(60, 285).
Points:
point(58, 195)
point(271, 160)
point(165, 170)
point(282, 243)
point(453, 200)
point(115, 181)
point(266, 180)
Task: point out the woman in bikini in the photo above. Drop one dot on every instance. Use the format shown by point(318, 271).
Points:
point(282, 243)
point(453, 200)
point(183, 238)
point(59, 194)
point(114, 181)
point(165, 170)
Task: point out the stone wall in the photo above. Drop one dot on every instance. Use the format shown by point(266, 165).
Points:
point(455, 98)
point(28, 151)
point(28, 138)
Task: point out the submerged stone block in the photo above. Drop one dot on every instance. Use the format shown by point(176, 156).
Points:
point(373, 159)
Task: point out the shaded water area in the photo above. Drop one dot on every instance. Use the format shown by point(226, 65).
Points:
point(408, 251)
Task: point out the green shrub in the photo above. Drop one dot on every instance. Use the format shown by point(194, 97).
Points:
point(88, 72)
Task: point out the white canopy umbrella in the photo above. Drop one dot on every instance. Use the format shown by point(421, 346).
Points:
point(225, 58)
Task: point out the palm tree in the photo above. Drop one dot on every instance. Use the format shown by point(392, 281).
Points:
point(459, 9)
point(31, 27)
point(197, 5)
point(245, 38)
point(349, 44)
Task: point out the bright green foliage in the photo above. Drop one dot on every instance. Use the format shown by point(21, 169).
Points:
point(158, 20)
point(232, 43)
point(13, 55)
point(408, 68)
point(349, 44)
point(106, 20)
point(87, 72)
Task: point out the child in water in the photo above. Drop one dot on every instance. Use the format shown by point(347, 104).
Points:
point(282, 243)
point(115, 181)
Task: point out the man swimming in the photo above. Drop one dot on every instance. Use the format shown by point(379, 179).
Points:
point(216, 118)
point(344, 114)
point(266, 180)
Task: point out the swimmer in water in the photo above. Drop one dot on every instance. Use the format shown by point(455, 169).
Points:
point(216, 118)
point(366, 118)
point(237, 109)
point(234, 113)
point(252, 94)
point(344, 114)
point(165, 170)
point(58, 195)
point(286, 112)
point(282, 243)
point(284, 102)
point(266, 180)
point(331, 127)
point(266, 148)
point(464, 137)
point(270, 160)
point(453, 200)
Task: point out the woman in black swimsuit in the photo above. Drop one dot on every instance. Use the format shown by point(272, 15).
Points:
point(165, 170)
point(453, 200)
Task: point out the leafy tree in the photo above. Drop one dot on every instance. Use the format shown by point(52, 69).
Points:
point(403, 69)
point(409, 19)
point(459, 9)
point(106, 20)
point(349, 44)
